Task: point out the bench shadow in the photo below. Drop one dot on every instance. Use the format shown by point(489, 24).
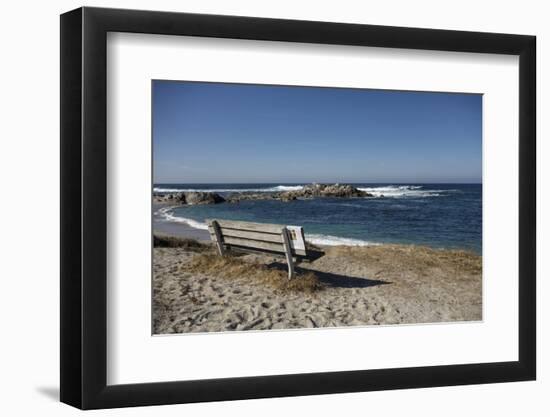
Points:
point(344, 281)
point(313, 255)
point(333, 280)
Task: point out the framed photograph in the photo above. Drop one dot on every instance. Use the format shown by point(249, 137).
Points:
point(258, 208)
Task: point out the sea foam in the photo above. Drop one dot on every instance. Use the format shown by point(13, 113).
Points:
point(402, 191)
point(167, 214)
point(328, 240)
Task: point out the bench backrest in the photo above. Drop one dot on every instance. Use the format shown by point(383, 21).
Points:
point(257, 236)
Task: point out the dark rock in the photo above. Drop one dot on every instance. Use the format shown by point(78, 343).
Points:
point(169, 198)
point(199, 197)
point(190, 197)
point(325, 190)
point(308, 191)
point(287, 197)
point(236, 197)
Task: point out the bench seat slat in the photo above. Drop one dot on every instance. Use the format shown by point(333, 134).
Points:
point(254, 227)
point(245, 234)
point(275, 247)
point(252, 243)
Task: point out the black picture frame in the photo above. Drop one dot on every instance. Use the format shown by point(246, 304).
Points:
point(84, 207)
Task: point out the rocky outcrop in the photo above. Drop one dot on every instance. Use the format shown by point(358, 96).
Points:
point(324, 190)
point(171, 198)
point(198, 197)
point(236, 197)
point(308, 191)
point(190, 197)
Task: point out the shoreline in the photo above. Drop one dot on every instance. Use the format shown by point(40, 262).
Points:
point(441, 216)
point(176, 229)
point(183, 230)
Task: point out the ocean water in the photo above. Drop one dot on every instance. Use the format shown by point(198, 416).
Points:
point(436, 215)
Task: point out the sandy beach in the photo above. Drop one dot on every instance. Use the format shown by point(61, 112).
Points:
point(195, 290)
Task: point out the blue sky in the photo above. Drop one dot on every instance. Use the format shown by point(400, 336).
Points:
point(216, 132)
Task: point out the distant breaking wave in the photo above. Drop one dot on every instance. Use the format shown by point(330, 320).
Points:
point(402, 191)
point(230, 190)
point(417, 191)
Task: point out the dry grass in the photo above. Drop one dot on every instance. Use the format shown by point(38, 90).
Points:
point(418, 259)
point(160, 241)
point(231, 267)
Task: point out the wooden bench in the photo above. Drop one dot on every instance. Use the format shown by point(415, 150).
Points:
point(259, 237)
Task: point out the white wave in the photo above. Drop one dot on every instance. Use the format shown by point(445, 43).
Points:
point(229, 190)
point(167, 190)
point(167, 214)
point(402, 191)
point(287, 188)
point(329, 240)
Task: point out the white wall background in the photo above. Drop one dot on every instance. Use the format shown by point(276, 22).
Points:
point(29, 178)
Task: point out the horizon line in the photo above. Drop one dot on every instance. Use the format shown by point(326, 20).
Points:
point(324, 182)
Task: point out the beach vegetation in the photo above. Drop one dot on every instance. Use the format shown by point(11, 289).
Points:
point(161, 241)
point(234, 267)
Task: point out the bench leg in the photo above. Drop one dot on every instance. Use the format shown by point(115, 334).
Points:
point(219, 239)
point(290, 270)
point(288, 253)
